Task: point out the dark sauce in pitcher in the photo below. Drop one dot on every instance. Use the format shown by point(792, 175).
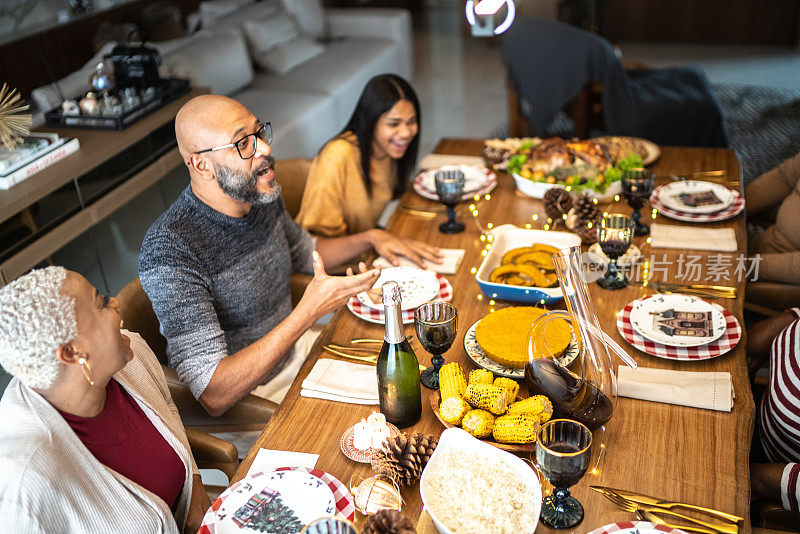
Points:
point(584, 402)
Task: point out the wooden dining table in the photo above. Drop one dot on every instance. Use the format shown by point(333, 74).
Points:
point(674, 452)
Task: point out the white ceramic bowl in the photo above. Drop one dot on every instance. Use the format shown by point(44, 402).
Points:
point(538, 189)
point(507, 237)
point(459, 440)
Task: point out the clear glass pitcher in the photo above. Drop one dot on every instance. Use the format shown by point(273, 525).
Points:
point(586, 388)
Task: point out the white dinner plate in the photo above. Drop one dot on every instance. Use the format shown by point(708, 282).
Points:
point(669, 195)
point(475, 178)
point(662, 317)
point(417, 286)
point(298, 496)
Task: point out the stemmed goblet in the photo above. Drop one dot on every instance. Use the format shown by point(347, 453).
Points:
point(563, 453)
point(450, 189)
point(637, 186)
point(435, 323)
point(614, 235)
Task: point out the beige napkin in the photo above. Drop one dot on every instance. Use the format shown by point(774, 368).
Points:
point(432, 161)
point(341, 381)
point(692, 238)
point(450, 263)
point(712, 391)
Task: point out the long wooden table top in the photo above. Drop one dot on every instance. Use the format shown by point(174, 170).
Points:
point(685, 454)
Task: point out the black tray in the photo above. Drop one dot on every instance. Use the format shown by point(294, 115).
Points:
point(169, 90)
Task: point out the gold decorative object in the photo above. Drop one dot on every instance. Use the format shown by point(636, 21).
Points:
point(13, 124)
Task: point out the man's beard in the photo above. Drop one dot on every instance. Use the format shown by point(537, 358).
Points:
point(240, 186)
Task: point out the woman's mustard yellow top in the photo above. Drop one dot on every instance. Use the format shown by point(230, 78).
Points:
point(335, 200)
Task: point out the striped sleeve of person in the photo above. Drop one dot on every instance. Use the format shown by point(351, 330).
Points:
point(790, 487)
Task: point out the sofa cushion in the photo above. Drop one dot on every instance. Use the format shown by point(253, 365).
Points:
point(286, 57)
point(310, 17)
point(216, 59)
point(211, 10)
point(236, 19)
point(268, 32)
point(342, 71)
point(72, 85)
point(302, 121)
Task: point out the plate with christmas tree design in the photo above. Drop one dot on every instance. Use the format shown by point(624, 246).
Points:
point(281, 501)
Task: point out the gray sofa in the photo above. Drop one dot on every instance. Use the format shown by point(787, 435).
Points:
point(312, 102)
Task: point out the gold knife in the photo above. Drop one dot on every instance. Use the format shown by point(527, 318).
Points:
point(663, 503)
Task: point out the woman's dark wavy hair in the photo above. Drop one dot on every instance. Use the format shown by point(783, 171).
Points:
point(379, 96)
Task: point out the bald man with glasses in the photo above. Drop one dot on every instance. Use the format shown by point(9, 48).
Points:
point(216, 264)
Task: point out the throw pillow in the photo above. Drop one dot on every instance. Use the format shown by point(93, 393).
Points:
point(259, 10)
point(269, 32)
point(287, 57)
point(211, 10)
point(310, 17)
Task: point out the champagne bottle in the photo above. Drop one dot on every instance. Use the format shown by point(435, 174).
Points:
point(398, 368)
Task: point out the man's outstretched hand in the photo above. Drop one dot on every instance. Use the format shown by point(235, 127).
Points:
point(328, 293)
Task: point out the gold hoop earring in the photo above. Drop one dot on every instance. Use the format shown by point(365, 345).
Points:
point(87, 371)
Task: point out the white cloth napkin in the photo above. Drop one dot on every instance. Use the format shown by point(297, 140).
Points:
point(712, 391)
point(432, 161)
point(341, 381)
point(268, 460)
point(692, 238)
point(450, 262)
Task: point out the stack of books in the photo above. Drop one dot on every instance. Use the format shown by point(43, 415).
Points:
point(37, 151)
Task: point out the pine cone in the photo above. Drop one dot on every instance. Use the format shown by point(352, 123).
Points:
point(388, 522)
point(584, 211)
point(588, 235)
point(557, 202)
point(404, 457)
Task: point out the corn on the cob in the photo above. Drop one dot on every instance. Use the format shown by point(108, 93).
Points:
point(453, 409)
point(479, 423)
point(487, 396)
point(518, 428)
point(510, 386)
point(538, 406)
point(480, 376)
point(451, 380)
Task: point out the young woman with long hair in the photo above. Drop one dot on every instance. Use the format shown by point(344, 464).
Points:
point(368, 164)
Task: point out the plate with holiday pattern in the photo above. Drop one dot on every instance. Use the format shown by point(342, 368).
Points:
point(636, 527)
point(677, 320)
point(281, 501)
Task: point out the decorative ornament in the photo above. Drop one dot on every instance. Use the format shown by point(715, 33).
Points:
point(588, 235)
point(90, 105)
point(13, 124)
point(584, 211)
point(557, 203)
point(388, 522)
point(404, 457)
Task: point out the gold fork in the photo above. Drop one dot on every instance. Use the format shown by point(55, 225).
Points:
point(368, 359)
point(653, 518)
point(631, 506)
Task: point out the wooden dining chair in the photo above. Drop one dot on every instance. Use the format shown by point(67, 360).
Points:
point(251, 413)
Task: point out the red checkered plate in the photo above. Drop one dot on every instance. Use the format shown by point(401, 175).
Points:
point(342, 500)
point(731, 211)
point(635, 527)
point(376, 316)
point(424, 178)
point(718, 347)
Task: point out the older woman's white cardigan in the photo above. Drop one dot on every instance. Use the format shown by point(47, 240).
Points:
point(50, 482)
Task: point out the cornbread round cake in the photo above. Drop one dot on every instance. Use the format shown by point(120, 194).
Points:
point(503, 335)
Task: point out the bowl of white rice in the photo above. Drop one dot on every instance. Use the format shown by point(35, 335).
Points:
point(471, 487)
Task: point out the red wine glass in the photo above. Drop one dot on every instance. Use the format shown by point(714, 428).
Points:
point(637, 186)
point(436, 324)
point(563, 453)
point(614, 234)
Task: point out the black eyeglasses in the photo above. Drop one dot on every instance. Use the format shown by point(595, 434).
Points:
point(246, 146)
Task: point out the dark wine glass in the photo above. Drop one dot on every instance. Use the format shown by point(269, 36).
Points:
point(563, 452)
point(614, 233)
point(435, 323)
point(450, 189)
point(637, 186)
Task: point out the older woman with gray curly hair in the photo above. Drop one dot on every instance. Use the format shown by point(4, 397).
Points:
point(90, 440)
